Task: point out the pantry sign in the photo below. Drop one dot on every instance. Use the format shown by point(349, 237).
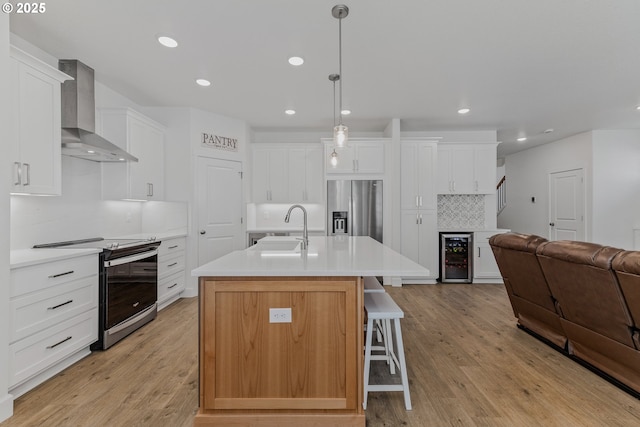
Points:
point(219, 142)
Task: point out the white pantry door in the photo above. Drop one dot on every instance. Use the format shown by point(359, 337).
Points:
point(566, 205)
point(219, 208)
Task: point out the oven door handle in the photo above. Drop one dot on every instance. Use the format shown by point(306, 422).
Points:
point(132, 258)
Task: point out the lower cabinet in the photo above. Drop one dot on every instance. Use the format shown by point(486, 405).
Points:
point(171, 270)
point(53, 318)
point(419, 232)
point(485, 268)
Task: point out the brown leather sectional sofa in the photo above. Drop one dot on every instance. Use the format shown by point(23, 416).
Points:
point(582, 298)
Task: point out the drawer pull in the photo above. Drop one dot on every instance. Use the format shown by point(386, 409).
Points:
point(60, 305)
point(53, 276)
point(57, 344)
point(172, 247)
point(172, 286)
point(172, 264)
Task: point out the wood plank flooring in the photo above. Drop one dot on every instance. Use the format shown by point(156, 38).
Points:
point(468, 366)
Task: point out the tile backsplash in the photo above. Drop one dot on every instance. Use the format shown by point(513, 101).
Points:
point(459, 211)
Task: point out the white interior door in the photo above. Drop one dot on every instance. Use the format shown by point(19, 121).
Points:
point(566, 205)
point(219, 208)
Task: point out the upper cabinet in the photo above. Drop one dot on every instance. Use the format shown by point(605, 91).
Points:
point(36, 125)
point(142, 138)
point(417, 175)
point(357, 157)
point(287, 174)
point(467, 168)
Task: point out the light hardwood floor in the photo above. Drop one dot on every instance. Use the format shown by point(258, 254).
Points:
point(468, 366)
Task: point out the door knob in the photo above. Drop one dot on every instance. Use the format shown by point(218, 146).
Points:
point(203, 232)
point(552, 224)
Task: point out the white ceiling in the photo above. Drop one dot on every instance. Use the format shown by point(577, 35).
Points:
point(522, 66)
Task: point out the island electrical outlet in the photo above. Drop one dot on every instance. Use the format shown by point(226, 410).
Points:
point(280, 315)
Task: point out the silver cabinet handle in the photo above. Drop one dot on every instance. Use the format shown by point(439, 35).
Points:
point(172, 264)
point(203, 232)
point(454, 186)
point(476, 182)
point(27, 169)
point(479, 251)
point(18, 173)
point(58, 343)
point(420, 200)
point(60, 305)
point(172, 247)
point(417, 201)
point(417, 219)
point(53, 276)
point(420, 218)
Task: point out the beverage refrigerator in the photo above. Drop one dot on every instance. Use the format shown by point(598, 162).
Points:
point(456, 257)
point(354, 208)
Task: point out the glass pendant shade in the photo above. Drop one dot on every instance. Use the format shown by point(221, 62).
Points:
point(340, 135)
point(334, 159)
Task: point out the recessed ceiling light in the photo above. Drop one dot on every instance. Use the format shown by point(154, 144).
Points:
point(345, 112)
point(290, 112)
point(522, 139)
point(463, 111)
point(203, 82)
point(167, 41)
point(296, 61)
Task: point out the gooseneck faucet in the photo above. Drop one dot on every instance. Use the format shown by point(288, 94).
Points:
point(305, 234)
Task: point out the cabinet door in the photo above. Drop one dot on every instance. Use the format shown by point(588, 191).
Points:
point(260, 173)
point(444, 184)
point(484, 262)
point(146, 176)
point(346, 159)
point(429, 241)
point(297, 175)
point(38, 131)
point(409, 176)
point(315, 180)
point(370, 158)
point(462, 170)
point(278, 175)
point(485, 170)
point(410, 235)
point(427, 155)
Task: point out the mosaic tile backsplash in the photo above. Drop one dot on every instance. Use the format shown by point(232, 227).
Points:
point(457, 211)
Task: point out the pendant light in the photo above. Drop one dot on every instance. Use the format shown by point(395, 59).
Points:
point(333, 158)
point(340, 132)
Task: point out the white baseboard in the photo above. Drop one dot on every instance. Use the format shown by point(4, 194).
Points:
point(6, 407)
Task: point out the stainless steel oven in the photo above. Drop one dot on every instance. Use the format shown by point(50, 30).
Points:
point(128, 285)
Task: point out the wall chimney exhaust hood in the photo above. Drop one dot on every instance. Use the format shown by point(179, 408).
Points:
point(79, 117)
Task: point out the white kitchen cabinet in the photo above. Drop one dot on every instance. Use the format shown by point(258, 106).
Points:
point(36, 132)
point(171, 270)
point(485, 267)
point(305, 175)
point(270, 175)
point(419, 234)
point(358, 157)
point(143, 138)
point(417, 175)
point(466, 168)
point(53, 318)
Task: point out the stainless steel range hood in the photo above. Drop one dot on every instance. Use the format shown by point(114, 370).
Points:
point(79, 118)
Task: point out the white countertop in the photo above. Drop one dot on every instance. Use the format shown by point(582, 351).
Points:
point(326, 256)
point(26, 257)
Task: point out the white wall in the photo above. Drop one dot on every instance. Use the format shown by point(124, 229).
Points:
point(527, 175)
point(616, 187)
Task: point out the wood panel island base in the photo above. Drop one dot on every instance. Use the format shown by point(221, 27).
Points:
point(254, 372)
point(281, 332)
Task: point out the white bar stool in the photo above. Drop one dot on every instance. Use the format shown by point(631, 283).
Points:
point(380, 306)
point(372, 285)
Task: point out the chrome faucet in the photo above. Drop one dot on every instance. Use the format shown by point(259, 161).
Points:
point(305, 233)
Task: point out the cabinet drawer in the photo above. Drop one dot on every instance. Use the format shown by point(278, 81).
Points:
point(36, 311)
point(37, 352)
point(169, 247)
point(170, 265)
point(171, 285)
point(41, 276)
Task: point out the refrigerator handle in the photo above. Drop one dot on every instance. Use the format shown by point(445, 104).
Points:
point(350, 216)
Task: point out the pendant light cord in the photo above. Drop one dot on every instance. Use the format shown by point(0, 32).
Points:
point(340, 63)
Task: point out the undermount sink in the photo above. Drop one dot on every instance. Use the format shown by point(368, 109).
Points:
point(278, 246)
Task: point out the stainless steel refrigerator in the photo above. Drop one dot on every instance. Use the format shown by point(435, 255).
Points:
point(354, 208)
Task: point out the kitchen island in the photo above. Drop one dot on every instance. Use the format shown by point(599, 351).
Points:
point(281, 331)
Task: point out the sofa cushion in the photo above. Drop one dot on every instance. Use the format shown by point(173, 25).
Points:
point(627, 267)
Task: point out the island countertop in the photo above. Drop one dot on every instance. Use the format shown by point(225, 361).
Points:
point(326, 256)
